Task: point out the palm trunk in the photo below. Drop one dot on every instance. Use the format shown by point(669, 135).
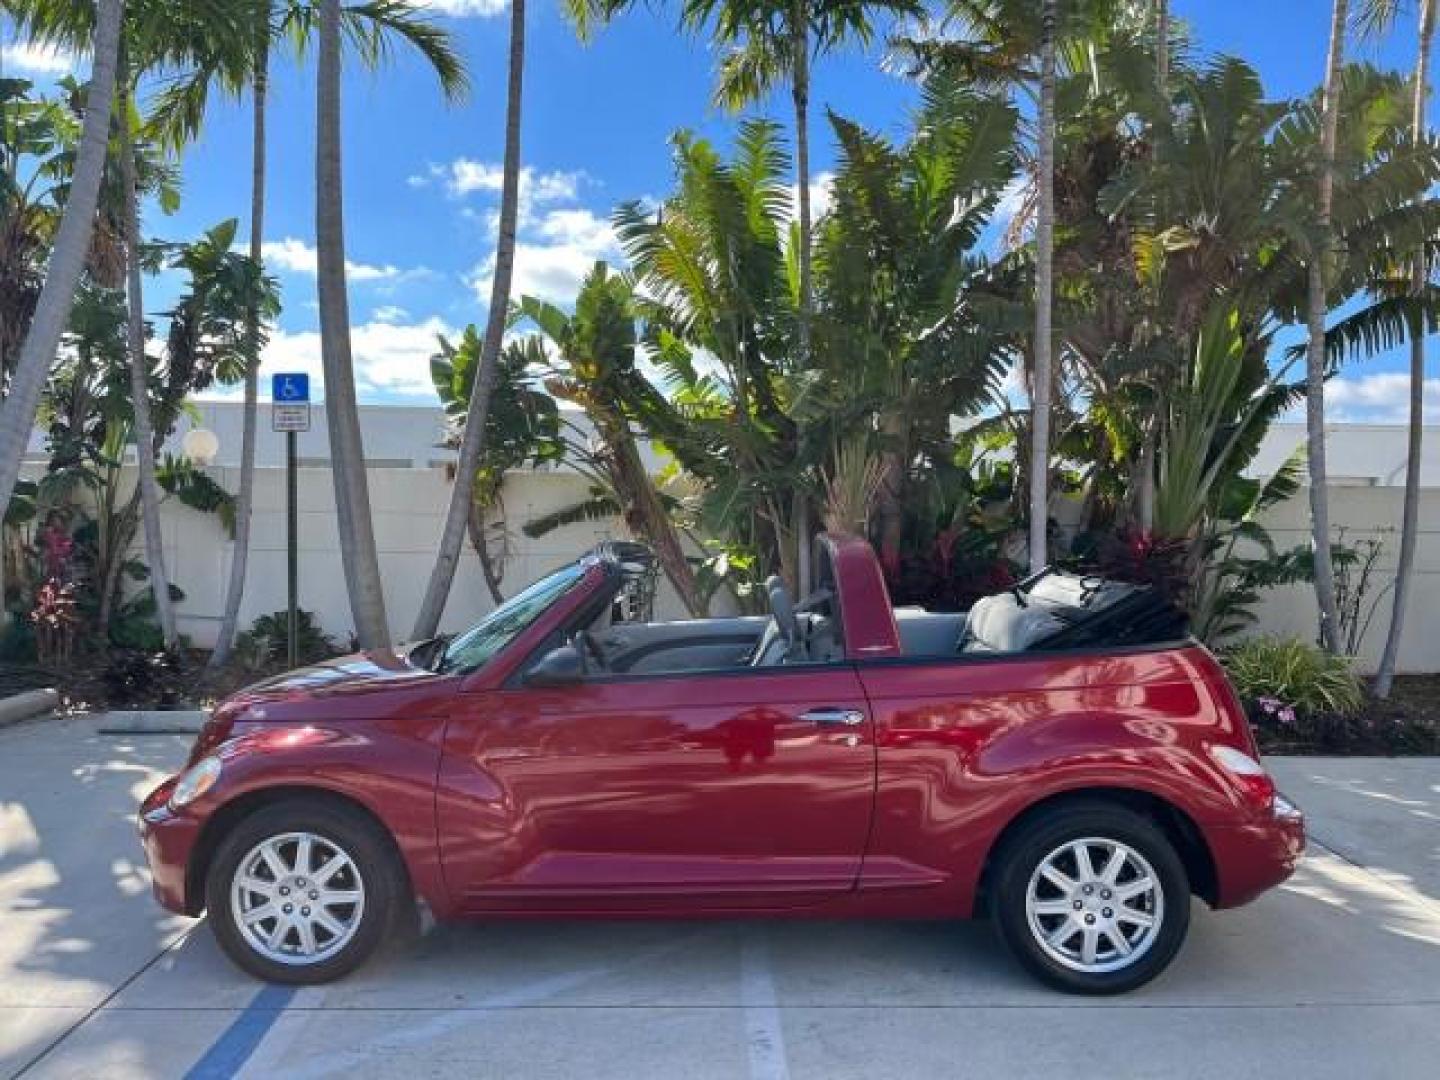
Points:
point(802, 542)
point(889, 509)
point(475, 523)
point(140, 377)
point(1162, 42)
point(645, 514)
point(1315, 350)
point(773, 517)
point(1410, 517)
point(122, 534)
point(67, 257)
point(473, 442)
point(1145, 479)
point(800, 92)
point(1044, 287)
point(244, 498)
point(347, 447)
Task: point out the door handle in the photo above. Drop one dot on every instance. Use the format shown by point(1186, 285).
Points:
point(834, 717)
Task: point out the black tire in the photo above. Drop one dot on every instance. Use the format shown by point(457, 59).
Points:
point(379, 868)
point(1047, 832)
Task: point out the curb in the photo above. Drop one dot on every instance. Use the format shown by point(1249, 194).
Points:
point(28, 704)
point(153, 722)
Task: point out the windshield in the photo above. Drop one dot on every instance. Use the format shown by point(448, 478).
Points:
point(477, 645)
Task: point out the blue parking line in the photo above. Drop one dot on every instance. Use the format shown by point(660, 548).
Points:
point(228, 1054)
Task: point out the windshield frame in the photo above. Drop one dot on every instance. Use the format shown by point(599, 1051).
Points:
point(531, 605)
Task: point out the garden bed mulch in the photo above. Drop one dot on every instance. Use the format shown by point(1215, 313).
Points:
point(1406, 725)
point(90, 684)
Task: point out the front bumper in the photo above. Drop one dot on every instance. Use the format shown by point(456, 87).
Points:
point(1250, 859)
point(169, 837)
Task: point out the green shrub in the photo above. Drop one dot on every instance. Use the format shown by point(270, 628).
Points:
point(1289, 674)
point(267, 641)
point(135, 622)
point(137, 677)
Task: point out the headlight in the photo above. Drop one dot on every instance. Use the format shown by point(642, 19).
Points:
point(196, 781)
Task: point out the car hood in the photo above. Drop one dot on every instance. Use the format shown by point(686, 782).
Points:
point(361, 672)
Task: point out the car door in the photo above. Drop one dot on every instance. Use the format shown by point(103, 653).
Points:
point(726, 790)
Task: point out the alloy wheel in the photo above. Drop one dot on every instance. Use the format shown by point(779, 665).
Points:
point(297, 898)
point(1095, 905)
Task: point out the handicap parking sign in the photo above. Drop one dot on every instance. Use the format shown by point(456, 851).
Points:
point(290, 388)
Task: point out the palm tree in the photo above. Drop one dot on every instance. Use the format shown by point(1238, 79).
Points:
point(596, 349)
point(1410, 519)
point(472, 444)
point(911, 328)
point(1315, 366)
point(712, 264)
point(148, 486)
point(245, 496)
point(347, 450)
point(1040, 376)
point(176, 120)
point(67, 259)
point(155, 34)
point(770, 41)
point(998, 44)
point(1162, 42)
point(523, 426)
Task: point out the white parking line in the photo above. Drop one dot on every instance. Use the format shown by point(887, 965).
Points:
point(764, 1035)
point(276, 1056)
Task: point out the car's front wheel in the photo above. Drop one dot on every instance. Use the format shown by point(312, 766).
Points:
point(302, 892)
point(1092, 898)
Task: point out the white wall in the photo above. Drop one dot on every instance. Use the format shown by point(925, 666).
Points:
point(1365, 512)
point(409, 491)
point(408, 507)
point(409, 504)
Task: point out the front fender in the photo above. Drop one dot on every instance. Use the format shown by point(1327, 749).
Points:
point(387, 771)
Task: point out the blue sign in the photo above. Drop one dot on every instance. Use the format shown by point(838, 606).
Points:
point(290, 388)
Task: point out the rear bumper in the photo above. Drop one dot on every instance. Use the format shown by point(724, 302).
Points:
point(1250, 859)
point(169, 838)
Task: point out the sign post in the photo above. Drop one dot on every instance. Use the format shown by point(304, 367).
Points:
point(290, 413)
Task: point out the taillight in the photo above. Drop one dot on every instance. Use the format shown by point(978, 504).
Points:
point(1249, 775)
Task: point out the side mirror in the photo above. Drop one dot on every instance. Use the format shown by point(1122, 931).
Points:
point(559, 667)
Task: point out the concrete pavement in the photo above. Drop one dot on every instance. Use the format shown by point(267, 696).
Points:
point(1337, 974)
point(1380, 813)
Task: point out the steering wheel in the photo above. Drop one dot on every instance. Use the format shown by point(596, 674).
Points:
point(590, 650)
point(782, 609)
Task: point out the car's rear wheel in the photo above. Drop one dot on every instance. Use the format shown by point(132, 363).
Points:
point(303, 892)
point(1092, 898)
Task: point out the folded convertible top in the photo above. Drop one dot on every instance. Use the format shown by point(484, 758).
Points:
point(1057, 609)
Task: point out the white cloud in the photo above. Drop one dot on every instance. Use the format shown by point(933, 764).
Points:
point(822, 195)
point(564, 245)
point(462, 8)
point(391, 358)
point(465, 176)
point(389, 313)
point(1377, 399)
point(37, 59)
point(577, 228)
point(298, 257)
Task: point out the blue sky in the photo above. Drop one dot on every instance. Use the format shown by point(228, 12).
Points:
point(422, 178)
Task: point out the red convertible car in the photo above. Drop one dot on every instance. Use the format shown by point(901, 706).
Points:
point(1059, 758)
